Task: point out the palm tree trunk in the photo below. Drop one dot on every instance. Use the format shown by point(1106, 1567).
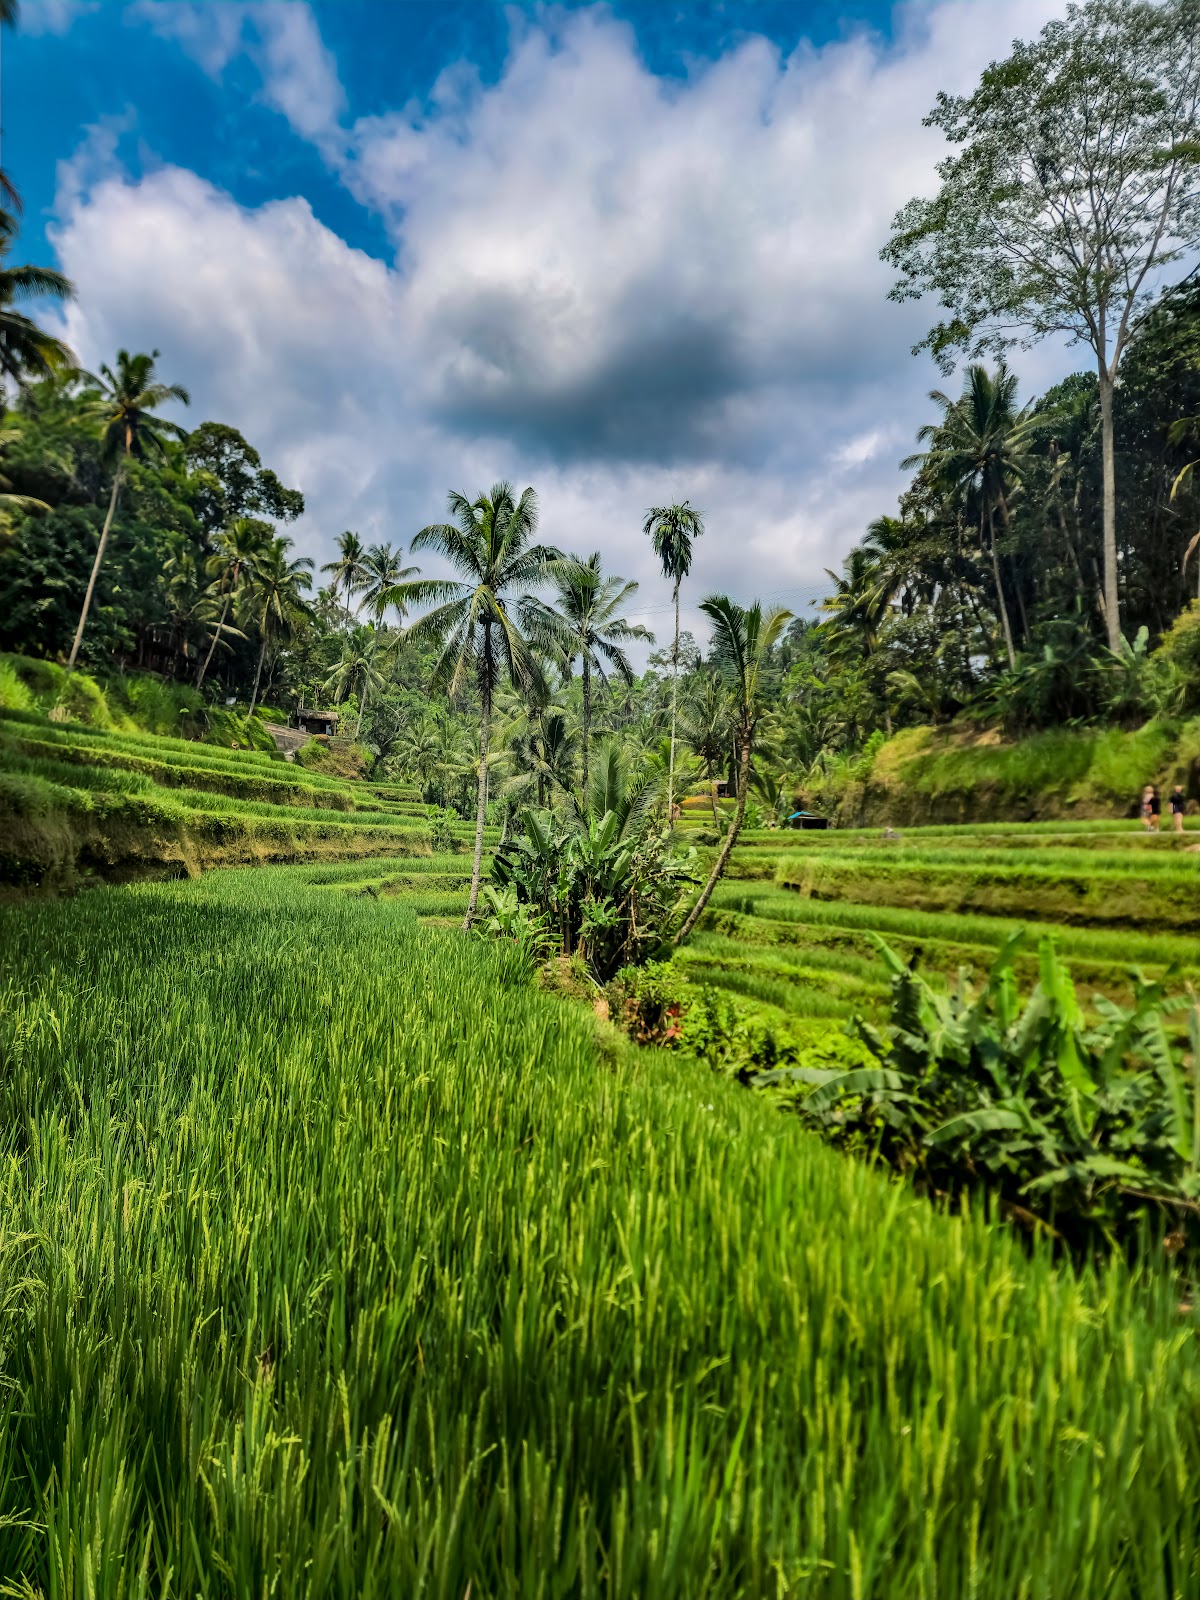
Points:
point(1112, 603)
point(735, 827)
point(674, 703)
point(587, 719)
point(204, 665)
point(362, 707)
point(87, 599)
point(1007, 521)
point(485, 728)
point(712, 793)
point(262, 655)
point(1000, 605)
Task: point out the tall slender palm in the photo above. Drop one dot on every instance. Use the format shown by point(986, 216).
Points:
point(584, 624)
point(236, 549)
point(980, 446)
point(477, 620)
point(380, 575)
point(124, 403)
point(275, 591)
point(672, 530)
point(349, 568)
point(742, 641)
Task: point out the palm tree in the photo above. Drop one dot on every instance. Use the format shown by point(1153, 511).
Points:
point(123, 403)
point(237, 547)
point(980, 446)
point(355, 672)
point(380, 575)
point(671, 530)
point(742, 641)
point(349, 568)
point(274, 591)
point(705, 729)
point(27, 351)
point(419, 750)
point(477, 620)
point(584, 623)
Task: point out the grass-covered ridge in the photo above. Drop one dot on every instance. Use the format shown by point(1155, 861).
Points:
point(926, 775)
point(77, 802)
point(338, 1261)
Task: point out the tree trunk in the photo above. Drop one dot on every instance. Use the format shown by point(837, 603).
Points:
point(674, 703)
point(485, 728)
point(1112, 603)
point(262, 656)
point(1006, 519)
point(1001, 607)
point(722, 861)
point(204, 665)
point(587, 721)
point(712, 790)
point(87, 599)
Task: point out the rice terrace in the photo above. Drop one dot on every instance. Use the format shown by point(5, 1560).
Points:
point(599, 866)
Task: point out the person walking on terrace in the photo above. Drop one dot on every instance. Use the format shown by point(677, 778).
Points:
point(1148, 808)
point(1177, 804)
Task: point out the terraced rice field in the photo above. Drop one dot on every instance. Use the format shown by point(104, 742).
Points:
point(792, 925)
point(78, 803)
point(337, 1260)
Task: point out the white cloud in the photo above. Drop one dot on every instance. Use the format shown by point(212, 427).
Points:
point(299, 75)
point(617, 288)
point(54, 16)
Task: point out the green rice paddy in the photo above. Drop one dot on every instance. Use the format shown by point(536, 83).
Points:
point(337, 1260)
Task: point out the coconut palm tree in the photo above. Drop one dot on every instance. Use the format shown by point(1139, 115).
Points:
point(355, 671)
point(584, 623)
point(27, 351)
point(124, 403)
point(236, 549)
point(705, 728)
point(979, 447)
point(349, 568)
point(742, 641)
point(380, 573)
point(274, 594)
point(672, 531)
point(478, 619)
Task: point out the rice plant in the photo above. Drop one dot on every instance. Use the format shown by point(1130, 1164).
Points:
point(336, 1260)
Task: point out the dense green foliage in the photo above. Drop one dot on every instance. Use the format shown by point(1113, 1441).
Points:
point(334, 1261)
point(1078, 1122)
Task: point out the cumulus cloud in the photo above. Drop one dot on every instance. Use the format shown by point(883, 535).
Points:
point(618, 287)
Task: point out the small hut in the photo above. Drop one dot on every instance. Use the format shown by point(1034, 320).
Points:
point(807, 819)
point(321, 724)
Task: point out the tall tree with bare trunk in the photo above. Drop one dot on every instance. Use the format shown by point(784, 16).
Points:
point(1073, 185)
point(124, 405)
point(672, 531)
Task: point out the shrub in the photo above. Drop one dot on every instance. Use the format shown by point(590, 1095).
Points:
point(1080, 1125)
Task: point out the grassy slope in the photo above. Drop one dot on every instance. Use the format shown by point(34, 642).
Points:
point(790, 931)
point(927, 776)
point(78, 802)
point(334, 1260)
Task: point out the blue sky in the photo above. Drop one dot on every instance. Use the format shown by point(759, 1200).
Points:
point(623, 252)
point(109, 64)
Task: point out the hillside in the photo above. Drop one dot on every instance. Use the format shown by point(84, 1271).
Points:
point(951, 775)
point(80, 803)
